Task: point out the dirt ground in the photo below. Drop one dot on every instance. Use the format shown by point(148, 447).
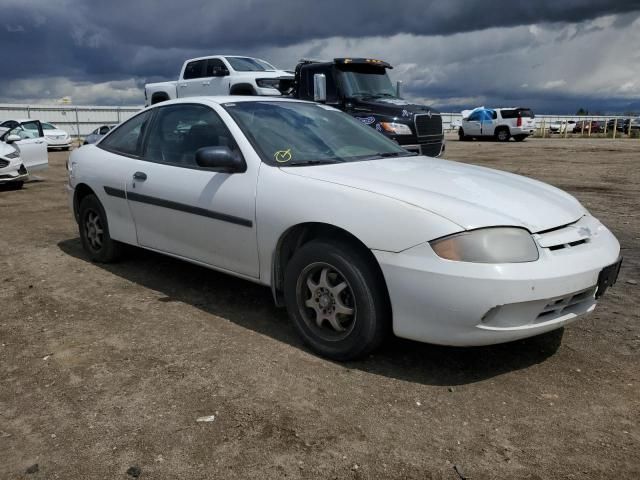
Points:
point(104, 368)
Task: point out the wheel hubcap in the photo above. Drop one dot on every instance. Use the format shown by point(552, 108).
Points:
point(93, 230)
point(326, 301)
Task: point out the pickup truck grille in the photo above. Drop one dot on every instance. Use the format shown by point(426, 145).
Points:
point(428, 124)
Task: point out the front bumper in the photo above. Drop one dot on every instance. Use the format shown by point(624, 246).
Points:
point(58, 142)
point(464, 304)
point(14, 173)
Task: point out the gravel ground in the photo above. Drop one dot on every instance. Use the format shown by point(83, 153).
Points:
point(106, 369)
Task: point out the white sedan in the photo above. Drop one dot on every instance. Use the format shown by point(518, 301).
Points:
point(355, 236)
point(56, 137)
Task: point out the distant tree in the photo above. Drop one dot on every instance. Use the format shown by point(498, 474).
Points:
point(582, 111)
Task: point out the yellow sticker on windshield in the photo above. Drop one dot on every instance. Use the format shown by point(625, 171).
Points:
point(283, 156)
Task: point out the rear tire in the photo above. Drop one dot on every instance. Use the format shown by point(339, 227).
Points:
point(502, 135)
point(336, 299)
point(94, 232)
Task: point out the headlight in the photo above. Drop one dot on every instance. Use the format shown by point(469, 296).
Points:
point(268, 82)
point(397, 128)
point(14, 154)
point(488, 245)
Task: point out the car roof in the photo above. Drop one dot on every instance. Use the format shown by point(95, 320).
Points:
point(221, 99)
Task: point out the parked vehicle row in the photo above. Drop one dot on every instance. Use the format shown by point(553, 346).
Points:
point(358, 86)
point(54, 137)
point(355, 235)
point(622, 125)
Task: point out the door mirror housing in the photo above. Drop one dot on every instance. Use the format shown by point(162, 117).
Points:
point(319, 87)
point(220, 159)
point(13, 138)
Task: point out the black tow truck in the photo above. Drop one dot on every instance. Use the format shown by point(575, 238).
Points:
point(362, 88)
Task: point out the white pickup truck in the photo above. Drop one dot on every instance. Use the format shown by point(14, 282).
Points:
point(221, 75)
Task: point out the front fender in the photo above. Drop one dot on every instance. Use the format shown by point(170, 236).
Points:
point(379, 222)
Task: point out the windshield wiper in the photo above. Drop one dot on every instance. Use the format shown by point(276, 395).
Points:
point(395, 154)
point(311, 162)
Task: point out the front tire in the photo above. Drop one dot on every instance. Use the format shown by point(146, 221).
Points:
point(461, 136)
point(336, 299)
point(94, 232)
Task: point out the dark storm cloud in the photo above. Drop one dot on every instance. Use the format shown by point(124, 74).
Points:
point(110, 39)
point(97, 43)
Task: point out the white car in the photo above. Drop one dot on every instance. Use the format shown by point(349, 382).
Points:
point(355, 235)
point(499, 123)
point(562, 126)
point(56, 137)
point(22, 151)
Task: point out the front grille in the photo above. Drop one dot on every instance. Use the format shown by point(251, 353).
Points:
point(431, 149)
point(428, 125)
point(3, 162)
point(559, 306)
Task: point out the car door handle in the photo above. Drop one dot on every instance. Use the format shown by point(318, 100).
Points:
point(140, 176)
point(206, 83)
point(182, 84)
point(40, 142)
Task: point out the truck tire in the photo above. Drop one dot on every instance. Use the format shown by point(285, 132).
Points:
point(461, 136)
point(502, 134)
point(242, 89)
point(336, 299)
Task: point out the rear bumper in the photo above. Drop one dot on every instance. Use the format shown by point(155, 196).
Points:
point(464, 304)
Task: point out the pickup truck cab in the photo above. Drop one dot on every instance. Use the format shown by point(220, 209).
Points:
point(499, 123)
point(362, 88)
point(220, 75)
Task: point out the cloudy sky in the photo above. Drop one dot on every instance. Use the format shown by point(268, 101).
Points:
point(553, 55)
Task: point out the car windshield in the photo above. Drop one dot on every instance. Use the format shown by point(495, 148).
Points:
point(296, 133)
point(365, 82)
point(246, 64)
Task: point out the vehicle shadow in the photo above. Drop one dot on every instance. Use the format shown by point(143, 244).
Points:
point(251, 306)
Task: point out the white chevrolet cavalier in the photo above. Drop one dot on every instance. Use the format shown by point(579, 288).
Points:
point(356, 236)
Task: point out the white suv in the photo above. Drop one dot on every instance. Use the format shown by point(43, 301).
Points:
point(500, 123)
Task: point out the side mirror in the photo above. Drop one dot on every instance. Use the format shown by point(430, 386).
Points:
point(319, 87)
point(13, 138)
point(220, 159)
point(398, 84)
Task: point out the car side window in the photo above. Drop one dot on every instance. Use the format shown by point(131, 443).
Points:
point(178, 131)
point(194, 69)
point(22, 133)
point(216, 67)
point(103, 130)
point(474, 117)
point(127, 139)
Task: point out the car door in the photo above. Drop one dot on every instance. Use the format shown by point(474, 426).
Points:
point(33, 148)
point(215, 81)
point(488, 122)
point(473, 126)
point(185, 210)
point(190, 85)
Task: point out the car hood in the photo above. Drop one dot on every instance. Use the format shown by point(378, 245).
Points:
point(390, 106)
point(54, 132)
point(467, 195)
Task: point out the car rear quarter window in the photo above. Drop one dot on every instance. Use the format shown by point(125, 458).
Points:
point(127, 139)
